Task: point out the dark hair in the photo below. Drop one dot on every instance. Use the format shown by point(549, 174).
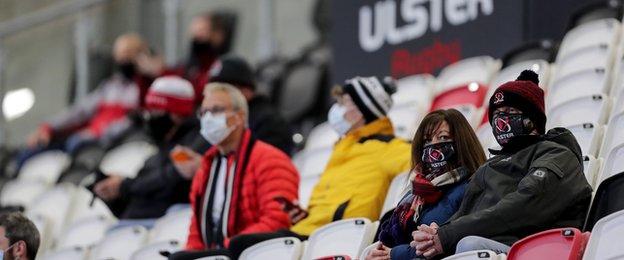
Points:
point(19, 228)
point(469, 151)
point(223, 21)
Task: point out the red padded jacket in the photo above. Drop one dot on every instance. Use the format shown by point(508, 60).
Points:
point(262, 173)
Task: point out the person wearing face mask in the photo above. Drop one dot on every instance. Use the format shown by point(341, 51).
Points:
point(101, 116)
point(234, 189)
point(445, 154)
point(534, 183)
point(356, 179)
point(169, 121)
point(19, 237)
point(212, 35)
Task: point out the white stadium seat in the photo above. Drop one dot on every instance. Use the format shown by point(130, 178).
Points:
point(344, 237)
point(54, 205)
point(591, 109)
point(486, 138)
point(475, 255)
point(119, 244)
point(87, 206)
point(605, 241)
point(606, 31)
point(44, 228)
point(45, 167)
point(398, 187)
point(414, 89)
point(306, 185)
point(478, 69)
point(214, 257)
point(541, 67)
point(18, 192)
point(613, 134)
point(321, 136)
point(591, 168)
point(75, 253)
point(584, 83)
point(286, 248)
point(367, 250)
point(593, 57)
point(614, 163)
point(84, 233)
point(152, 251)
point(173, 226)
point(589, 137)
point(127, 159)
point(406, 118)
point(312, 162)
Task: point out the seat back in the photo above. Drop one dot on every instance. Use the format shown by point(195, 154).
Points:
point(592, 109)
point(344, 237)
point(613, 136)
point(584, 83)
point(474, 255)
point(478, 69)
point(18, 192)
point(45, 167)
point(87, 206)
point(591, 168)
point(313, 162)
point(414, 89)
point(287, 248)
point(561, 243)
point(605, 31)
point(614, 163)
point(127, 159)
point(84, 233)
point(153, 251)
point(607, 200)
point(120, 243)
point(300, 90)
point(75, 253)
point(399, 184)
point(306, 186)
point(173, 226)
point(589, 137)
point(541, 67)
point(321, 136)
point(606, 238)
point(405, 119)
point(54, 204)
point(593, 57)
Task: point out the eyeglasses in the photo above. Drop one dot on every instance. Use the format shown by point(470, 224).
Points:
point(215, 110)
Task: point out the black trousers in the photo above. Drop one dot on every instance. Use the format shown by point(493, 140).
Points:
point(237, 245)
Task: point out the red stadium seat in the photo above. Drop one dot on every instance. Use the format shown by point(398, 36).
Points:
point(562, 243)
point(458, 96)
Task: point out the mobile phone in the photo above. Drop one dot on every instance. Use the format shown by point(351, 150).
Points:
point(180, 156)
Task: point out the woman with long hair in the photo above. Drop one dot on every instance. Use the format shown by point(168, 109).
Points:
point(445, 154)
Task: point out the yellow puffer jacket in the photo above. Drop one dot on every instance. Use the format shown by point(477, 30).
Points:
point(357, 176)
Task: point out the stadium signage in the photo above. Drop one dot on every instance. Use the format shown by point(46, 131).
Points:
point(378, 23)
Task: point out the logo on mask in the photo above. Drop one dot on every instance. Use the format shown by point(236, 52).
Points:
point(502, 125)
point(216, 68)
point(499, 98)
point(435, 155)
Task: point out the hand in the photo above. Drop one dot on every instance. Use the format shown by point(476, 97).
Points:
point(381, 252)
point(296, 214)
point(150, 65)
point(185, 160)
point(108, 189)
point(426, 241)
point(39, 138)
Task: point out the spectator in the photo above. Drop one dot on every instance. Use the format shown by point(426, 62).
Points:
point(102, 114)
point(170, 121)
point(233, 191)
point(534, 183)
point(19, 237)
point(445, 154)
point(265, 122)
point(356, 180)
point(211, 36)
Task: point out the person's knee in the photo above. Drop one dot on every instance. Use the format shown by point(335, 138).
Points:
point(469, 243)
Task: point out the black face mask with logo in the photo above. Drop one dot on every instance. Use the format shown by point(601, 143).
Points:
point(507, 126)
point(438, 159)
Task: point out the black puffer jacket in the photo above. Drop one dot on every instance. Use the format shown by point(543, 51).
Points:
point(538, 186)
point(158, 184)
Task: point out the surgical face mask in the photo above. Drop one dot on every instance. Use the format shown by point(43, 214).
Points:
point(2, 252)
point(214, 127)
point(507, 126)
point(336, 119)
point(437, 159)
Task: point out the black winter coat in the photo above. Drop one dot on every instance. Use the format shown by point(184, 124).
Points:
point(538, 186)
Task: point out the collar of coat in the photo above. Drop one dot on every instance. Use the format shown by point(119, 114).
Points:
point(381, 126)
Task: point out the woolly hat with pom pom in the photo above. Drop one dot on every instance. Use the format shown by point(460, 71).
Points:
point(523, 94)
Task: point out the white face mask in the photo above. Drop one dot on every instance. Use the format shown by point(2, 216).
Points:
point(214, 127)
point(336, 118)
point(5, 250)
